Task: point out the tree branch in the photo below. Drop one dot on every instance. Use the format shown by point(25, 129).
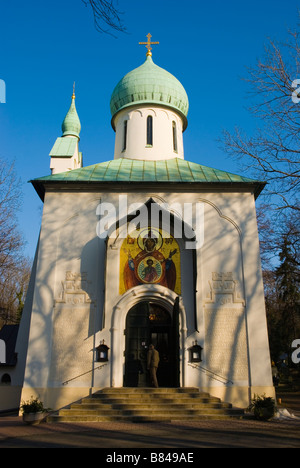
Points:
point(105, 12)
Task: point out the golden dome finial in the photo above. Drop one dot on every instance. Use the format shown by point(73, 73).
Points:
point(73, 95)
point(148, 44)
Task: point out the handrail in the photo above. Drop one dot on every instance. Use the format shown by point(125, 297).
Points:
point(87, 372)
point(214, 374)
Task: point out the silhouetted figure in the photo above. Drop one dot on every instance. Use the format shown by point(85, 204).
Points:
point(152, 364)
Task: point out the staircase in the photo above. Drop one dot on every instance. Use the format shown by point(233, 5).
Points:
point(147, 405)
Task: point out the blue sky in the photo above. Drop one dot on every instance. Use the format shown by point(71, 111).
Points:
point(47, 45)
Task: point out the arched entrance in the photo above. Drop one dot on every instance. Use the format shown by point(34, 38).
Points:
point(146, 323)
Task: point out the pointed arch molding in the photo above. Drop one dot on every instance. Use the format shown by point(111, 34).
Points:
point(239, 231)
point(113, 233)
point(154, 293)
point(154, 198)
point(204, 200)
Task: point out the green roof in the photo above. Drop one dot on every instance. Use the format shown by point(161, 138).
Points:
point(135, 171)
point(150, 84)
point(71, 124)
point(64, 147)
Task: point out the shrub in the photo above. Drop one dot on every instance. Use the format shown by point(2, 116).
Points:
point(34, 405)
point(262, 407)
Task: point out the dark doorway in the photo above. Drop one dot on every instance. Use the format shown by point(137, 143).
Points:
point(148, 323)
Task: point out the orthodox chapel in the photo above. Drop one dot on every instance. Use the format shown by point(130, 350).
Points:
point(146, 248)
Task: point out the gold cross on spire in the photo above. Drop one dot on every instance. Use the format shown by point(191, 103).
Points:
point(148, 44)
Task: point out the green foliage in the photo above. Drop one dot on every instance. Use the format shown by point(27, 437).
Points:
point(288, 273)
point(34, 405)
point(262, 407)
point(282, 293)
point(288, 286)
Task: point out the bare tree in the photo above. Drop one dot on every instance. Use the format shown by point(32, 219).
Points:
point(267, 237)
point(105, 13)
point(13, 288)
point(11, 242)
point(272, 154)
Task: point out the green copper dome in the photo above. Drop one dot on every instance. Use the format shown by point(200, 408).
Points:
point(150, 84)
point(71, 124)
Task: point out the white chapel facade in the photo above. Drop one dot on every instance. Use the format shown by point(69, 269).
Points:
point(145, 248)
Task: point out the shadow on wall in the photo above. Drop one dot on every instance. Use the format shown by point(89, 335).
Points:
point(93, 259)
point(231, 293)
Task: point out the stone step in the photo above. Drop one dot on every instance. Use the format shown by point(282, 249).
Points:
point(140, 418)
point(146, 404)
point(161, 408)
point(144, 412)
point(121, 404)
point(150, 401)
point(152, 397)
point(151, 390)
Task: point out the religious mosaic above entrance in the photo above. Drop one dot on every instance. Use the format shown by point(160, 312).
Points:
point(150, 256)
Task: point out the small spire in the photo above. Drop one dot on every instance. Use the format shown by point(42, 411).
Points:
point(71, 125)
point(148, 45)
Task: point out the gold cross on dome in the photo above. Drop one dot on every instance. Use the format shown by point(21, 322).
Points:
point(148, 44)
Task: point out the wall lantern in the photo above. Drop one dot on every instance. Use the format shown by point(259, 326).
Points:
point(195, 352)
point(102, 352)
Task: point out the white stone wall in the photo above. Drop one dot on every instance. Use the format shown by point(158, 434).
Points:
point(76, 300)
point(136, 147)
point(63, 164)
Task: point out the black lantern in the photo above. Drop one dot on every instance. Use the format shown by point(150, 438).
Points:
point(102, 352)
point(195, 353)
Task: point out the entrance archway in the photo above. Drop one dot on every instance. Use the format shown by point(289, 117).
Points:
point(156, 294)
point(147, 323)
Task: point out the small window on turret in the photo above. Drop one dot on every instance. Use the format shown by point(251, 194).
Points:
point(174, 129)
point(149, 130)
point(124, 135)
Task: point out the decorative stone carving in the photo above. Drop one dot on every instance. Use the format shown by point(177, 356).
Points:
point(74, 289)
point(224, 290)
point(225, 328)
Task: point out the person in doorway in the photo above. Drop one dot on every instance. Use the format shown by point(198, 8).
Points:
point(152, 364)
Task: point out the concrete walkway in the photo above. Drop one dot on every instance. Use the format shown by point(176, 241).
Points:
point(177, 436)
point(206, 434)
